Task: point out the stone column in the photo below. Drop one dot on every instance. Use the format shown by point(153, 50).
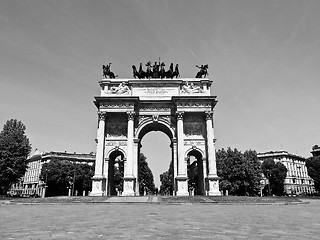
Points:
point(106, 176)
point(128, 184)
point(135, 164)
point(213, 179)
point(174, 165)
point(98, 178)
point(205, 175)
point(182, 179)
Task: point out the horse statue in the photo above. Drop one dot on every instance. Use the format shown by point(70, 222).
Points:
point(106, 71)
point(142, 73)
point(203, 71)
point(162, 72)
point(169, 73)
point(135, 72)
point(176, 72)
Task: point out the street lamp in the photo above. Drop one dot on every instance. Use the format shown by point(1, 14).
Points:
point(268, 175)
point(74, 178)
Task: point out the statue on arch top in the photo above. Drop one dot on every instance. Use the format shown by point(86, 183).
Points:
point(106, 71)
point(203, 71)
point(156, 70)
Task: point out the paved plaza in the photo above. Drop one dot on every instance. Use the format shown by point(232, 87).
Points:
point(160, 221)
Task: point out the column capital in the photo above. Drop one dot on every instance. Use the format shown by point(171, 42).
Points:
point(209, 115)
point(179, 115)
point(130, 115)
point(102, 115)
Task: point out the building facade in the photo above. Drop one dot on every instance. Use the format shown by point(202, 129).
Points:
point(30, 184)
point(297, 181)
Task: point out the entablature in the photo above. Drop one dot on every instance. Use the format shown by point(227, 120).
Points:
point(162, 89)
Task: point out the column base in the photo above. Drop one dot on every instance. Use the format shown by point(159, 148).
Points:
point(214, 186)
point(182, 184)
point(98, 185)
point(128, 186)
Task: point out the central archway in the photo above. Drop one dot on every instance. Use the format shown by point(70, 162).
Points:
point(156, 147)
point(152, 124)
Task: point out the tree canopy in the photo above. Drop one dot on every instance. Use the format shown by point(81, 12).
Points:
point(14, 150)
point(59, 176)
point(313, 167)
point(239, 173)
point(276, 173)
point(118, 178)
point(166, 181)
point(146, 181)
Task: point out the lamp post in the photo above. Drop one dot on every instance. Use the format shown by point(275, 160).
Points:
point(74, 178)
point(268, 173)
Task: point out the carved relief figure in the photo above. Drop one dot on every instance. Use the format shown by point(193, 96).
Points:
point(190, 88)
point(121, 89)
point(193, 129)
point(116, 130)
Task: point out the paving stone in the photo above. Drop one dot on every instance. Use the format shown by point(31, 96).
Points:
point(160, 221)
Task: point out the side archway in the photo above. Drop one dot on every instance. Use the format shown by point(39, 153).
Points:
point(196, 171)
point(115, 165)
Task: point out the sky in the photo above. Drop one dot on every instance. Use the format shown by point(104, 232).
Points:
point(263, 58)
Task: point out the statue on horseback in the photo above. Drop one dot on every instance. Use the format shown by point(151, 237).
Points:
point(203, 71)
point(106, 71)
point(176, 72)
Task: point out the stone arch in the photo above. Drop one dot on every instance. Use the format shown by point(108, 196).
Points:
point(196, 170)
point(112, 187)
point(111, 151)
point(150, 124)
point(155, 105)
point(195, 149)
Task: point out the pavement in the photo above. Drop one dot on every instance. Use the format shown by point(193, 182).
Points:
point(121, 220)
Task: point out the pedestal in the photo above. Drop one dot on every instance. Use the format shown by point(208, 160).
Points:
point(128, 186)
point(214, 186)
point(182, 184)
point(98, 183)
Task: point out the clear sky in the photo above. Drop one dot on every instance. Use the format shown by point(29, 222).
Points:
point(263, 57)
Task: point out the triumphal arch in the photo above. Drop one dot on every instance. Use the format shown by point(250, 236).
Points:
point(182, 108)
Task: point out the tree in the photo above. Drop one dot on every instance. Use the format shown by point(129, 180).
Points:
point(166, 180)
point(118, 178)
point(14, 150)
point(240, 173)
point(313, 167)
point(59, 176)
point(146, 181)
point(276, 173)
